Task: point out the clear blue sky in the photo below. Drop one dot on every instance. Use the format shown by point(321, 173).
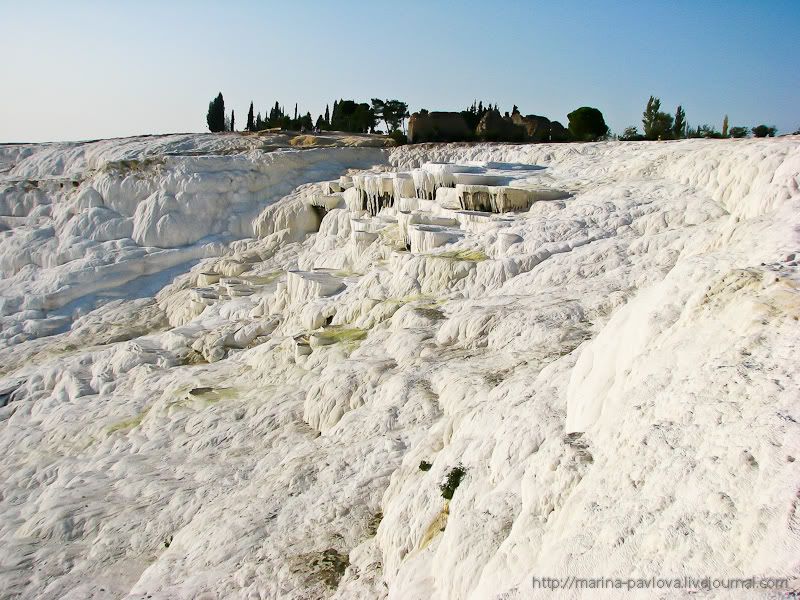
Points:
point(81, 70)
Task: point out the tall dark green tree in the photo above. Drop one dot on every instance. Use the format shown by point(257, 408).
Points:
point(351, 116)
point(391, 112)
point(378, 107)
point(394, 113)
point(216, 114)
point(233, 121)
point(679, 126)
point(327, 116)
point(657, 125)
point(275, 115)
point(251, 124)
point(649, 116)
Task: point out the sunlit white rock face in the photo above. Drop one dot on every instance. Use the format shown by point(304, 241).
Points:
point(236, 372)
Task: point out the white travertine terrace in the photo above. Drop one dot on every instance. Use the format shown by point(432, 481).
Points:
point(424, 238)
point(471, 187)
point(476, 179)
point(302, 286)
point(225, 377)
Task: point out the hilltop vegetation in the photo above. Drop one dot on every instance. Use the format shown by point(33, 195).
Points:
point(478, 122)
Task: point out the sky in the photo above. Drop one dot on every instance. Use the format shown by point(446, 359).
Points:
point(88, 69)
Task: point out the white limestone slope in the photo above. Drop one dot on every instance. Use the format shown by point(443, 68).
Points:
point(614, 371)
point(89, 217)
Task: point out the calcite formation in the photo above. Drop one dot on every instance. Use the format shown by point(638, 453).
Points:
point(433, 371)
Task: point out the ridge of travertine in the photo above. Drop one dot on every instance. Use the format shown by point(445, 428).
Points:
point(250, 372)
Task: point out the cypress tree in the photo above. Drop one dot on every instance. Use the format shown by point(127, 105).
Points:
point(250, 123)
point(233, 121)
point(327, 116)
point(725, 127)
point(680, 123)
point(216, 114)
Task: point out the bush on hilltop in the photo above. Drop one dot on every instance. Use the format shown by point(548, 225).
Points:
point(739, 132)
point(631, 134)
point(586, 124)
point(761, 131)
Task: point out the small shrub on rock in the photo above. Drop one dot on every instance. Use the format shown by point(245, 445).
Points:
point(452, 482)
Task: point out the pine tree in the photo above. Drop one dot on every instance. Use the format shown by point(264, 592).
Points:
point(391, 112)
point(250, 123)
point(327, 116)
point(380, 110)
point(725, 127)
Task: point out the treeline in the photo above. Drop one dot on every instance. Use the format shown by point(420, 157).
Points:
point(485, 122)
point(347, 115)
point(276, 116)
point(659, 125)
point(478, 121)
